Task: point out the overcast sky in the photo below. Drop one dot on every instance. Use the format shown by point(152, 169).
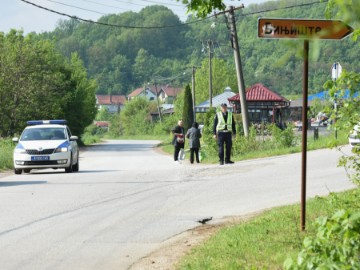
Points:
point(16, 14)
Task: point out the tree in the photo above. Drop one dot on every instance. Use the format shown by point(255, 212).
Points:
point(223, 75)
point(188, 112)
point(36, 82)
point(135, 117)
point(201, 8)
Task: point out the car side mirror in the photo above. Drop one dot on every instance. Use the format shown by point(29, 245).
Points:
point(15, 139)
point(74, 138)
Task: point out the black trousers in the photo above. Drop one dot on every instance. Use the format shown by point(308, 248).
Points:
point(224, 138)
point(177, 150)
point(196, 152)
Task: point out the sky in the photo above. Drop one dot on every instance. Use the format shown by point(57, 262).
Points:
point(16, 14)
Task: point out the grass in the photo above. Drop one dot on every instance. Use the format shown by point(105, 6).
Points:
point(266, 241)
point(6, 153)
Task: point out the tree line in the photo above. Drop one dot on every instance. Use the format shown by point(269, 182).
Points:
point(122, 59)
point(37, 82)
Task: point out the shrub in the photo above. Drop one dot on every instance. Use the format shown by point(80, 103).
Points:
point(336, 245)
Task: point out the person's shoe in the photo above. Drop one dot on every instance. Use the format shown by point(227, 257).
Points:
point(229, 162)
point(221, 162)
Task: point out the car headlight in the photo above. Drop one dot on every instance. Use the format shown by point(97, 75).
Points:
point(20, 151)
point(61, 149)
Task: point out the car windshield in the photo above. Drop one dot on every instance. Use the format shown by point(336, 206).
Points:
point(38, 134)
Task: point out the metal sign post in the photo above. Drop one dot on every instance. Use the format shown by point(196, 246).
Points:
point(305, 29)
point(336, 70)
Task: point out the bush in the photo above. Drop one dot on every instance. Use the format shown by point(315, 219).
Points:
point(6, 157)
point(283, 138)
point(336, 245)
point(209, 147)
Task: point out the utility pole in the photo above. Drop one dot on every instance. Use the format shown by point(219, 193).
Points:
point(210, 45)
point(240, 77)
point(193, 90)
point(157, 99)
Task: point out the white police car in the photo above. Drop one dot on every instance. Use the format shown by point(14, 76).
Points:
point(46, 144)
point(354, 138)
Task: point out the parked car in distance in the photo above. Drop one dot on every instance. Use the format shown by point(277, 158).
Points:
point(46, 144)
point(354, 137)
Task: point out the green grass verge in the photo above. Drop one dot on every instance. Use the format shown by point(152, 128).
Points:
point(267, 240)
point(6, 154)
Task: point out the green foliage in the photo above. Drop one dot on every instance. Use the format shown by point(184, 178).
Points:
point(6, 150)
point(135, 117)
point(243, 145)
point(336, 245)
point(36, 82)
point(167, 52)
point(201, 8)
point(116, 128)
point(348, 115)
point(223, 75)
point(103, 115)
point(165, 126)
point(209, 147)
point(266, 240)
point(283, 138)
point(188, 112)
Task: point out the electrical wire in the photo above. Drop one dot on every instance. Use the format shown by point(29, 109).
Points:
point(112, 25)
point(156, 27)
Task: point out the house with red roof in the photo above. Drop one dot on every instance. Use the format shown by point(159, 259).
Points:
point(147, 92)
point(263, 104)
point(167, 94)
point(113, 103)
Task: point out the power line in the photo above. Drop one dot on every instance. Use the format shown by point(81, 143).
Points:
point(283, 8)
point(60, 3)
point(109, 24)
point(153, 27)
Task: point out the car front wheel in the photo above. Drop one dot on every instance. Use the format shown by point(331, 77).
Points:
point(70, 168)
point(75, 167)
point(17, 171)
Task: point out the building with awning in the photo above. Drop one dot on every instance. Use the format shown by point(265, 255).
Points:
point(263, 104)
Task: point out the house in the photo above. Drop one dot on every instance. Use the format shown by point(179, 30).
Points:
point(263, 104)
point(167, 94)
point(113, 103)
point(144, 92)
point(216, 101)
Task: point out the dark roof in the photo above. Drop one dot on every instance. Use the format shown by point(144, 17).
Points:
point(258, 92)
point(110, 99)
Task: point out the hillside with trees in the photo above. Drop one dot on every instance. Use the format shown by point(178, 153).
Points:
point(155, 43)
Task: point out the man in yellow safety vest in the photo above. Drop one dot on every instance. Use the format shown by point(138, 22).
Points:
point(224, 128)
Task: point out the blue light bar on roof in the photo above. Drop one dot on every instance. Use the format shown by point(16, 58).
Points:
point(44, 122)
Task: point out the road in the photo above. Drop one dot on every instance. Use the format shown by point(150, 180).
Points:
point(127, 199)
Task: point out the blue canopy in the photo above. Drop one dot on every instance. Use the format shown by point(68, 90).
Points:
point(324, 95)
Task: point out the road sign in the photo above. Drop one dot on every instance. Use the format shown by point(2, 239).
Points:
point(336, 70)
point(305, 29)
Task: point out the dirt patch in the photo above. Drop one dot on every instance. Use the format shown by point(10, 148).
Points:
point(172, 250)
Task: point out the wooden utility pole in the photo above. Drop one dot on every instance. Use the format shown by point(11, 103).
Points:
point(193, 90)
point(210, 44)
point(239, 73)
point(158, 104)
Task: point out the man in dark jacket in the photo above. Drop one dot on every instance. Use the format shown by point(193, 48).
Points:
point(178, 139)
point(224, 128)
point(194, 135)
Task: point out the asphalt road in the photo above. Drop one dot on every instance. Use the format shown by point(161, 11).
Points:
point(127, 199)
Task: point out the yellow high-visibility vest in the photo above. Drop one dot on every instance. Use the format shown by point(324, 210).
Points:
point(221, 121)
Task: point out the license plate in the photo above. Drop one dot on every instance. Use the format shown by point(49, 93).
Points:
point(37, 158)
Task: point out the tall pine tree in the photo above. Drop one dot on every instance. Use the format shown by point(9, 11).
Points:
point(188, 112)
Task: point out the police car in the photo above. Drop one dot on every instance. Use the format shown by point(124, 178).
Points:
point(46, 144)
